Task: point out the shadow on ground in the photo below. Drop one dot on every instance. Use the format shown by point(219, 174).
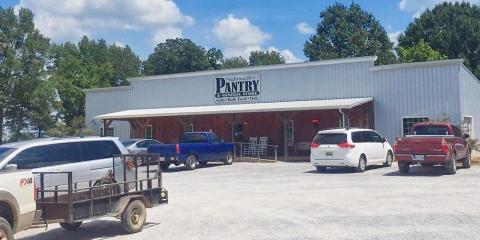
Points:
point(418, 171)
point(341, 170)
point(96, 229)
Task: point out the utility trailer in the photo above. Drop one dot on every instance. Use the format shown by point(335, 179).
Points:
point(75, 202)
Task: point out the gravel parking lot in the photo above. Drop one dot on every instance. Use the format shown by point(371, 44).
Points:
point(293, 201)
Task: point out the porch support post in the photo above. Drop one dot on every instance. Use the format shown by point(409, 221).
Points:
point(232, 120)
point(285, 136)
point(344, 118)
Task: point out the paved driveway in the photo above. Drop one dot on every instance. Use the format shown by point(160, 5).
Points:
point(292, 201)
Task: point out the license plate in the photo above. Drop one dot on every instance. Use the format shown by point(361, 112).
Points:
point(329, 153)
point(419, 157)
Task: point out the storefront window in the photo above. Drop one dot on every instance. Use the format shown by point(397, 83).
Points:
point(109, 133)
point(149, 132)
point(408, 122)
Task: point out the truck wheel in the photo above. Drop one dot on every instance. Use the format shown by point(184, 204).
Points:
point(6, 232)
point(451, 166)
point(70, 226)
point(133, 217)
point(388, 160)
point(228, 159)
point(191, 162)
point(404, 167)
point(362, 164)
point(138, 161)
point(164, 165)
point(467, 161)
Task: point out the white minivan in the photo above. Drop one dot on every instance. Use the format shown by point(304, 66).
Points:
point(353, 148)
point(88, 158)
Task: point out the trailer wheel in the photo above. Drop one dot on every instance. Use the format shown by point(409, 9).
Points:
point(133, 217)
point(6, 232)
point(70, 226)
point(228, 159)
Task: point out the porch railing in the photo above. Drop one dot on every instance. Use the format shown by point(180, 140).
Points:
point(255, 151)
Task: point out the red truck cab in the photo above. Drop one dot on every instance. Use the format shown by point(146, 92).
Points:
point(433, 143)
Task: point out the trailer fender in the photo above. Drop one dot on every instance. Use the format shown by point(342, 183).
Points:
point(124, 201)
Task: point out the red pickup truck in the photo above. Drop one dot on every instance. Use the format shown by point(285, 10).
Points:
point(433, 144)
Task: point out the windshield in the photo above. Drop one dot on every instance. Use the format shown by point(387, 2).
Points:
point(128, 143)
point(4, 152)
point(430, 130)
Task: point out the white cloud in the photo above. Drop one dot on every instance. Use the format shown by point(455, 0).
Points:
point(287, 54)
point(304, 28)
point(119, 44)
point(394, 37)
point(165, 33)
point(239, 36)
point(419, 6)
point(69, 20)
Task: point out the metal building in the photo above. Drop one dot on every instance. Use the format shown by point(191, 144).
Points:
point(289, 103)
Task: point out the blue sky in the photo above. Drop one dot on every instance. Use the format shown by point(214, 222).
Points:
point(235, 26)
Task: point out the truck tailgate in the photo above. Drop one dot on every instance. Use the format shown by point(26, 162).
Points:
point(420, 145)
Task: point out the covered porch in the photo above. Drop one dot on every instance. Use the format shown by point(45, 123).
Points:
point(289, 125)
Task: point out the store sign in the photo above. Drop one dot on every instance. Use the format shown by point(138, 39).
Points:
point(237, 88)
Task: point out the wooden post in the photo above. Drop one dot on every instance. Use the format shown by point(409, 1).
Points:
point(285, 136)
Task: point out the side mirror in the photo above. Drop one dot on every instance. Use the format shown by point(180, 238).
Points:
point(11, 167)
point(466, 136)
point(384, 140)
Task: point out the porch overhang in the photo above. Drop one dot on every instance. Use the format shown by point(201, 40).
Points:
point(344, 103)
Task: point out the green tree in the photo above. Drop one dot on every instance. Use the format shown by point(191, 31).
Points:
point(452, 29)
point(258, 58)
point(215, 58)
point(176, 56)
point(234, 62)
point(349, 32)
point(25, 92)
point(89, 64)
point(419, 52)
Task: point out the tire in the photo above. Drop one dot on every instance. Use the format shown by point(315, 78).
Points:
point(388, 160)
point(6, 232)
point(138, 161)
point(451, 166)
point(404, 167)
point(191, 162)
point(321, 169)
point(134, 216)
point(164, 165)
point(362, 164)
point(228, 159)
point(71, 226)
point(106, 190)
point(467, 162)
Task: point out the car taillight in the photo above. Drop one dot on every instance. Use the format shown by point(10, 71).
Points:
point(314, 145)
point(345, 145)
point(177, 148)
point(395, 147)
point(444, 147)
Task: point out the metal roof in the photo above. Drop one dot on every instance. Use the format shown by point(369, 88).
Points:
point(346, 103)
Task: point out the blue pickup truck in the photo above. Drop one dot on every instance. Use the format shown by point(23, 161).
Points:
point(194, 148)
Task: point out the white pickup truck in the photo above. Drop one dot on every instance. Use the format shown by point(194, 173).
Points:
point(17, 202)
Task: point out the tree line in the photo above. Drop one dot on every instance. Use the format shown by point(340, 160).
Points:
point(42, 83)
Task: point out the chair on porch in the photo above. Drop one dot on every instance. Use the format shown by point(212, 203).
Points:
point(262, 145)
point(250, 148)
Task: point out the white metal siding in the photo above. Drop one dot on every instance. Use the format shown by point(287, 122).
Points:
point(398, 91)
point(470, 98)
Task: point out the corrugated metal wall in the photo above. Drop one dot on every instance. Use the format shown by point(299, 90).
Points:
point(470, 98)
point(398, 91)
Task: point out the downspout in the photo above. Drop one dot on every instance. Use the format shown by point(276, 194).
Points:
point(343, 117)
